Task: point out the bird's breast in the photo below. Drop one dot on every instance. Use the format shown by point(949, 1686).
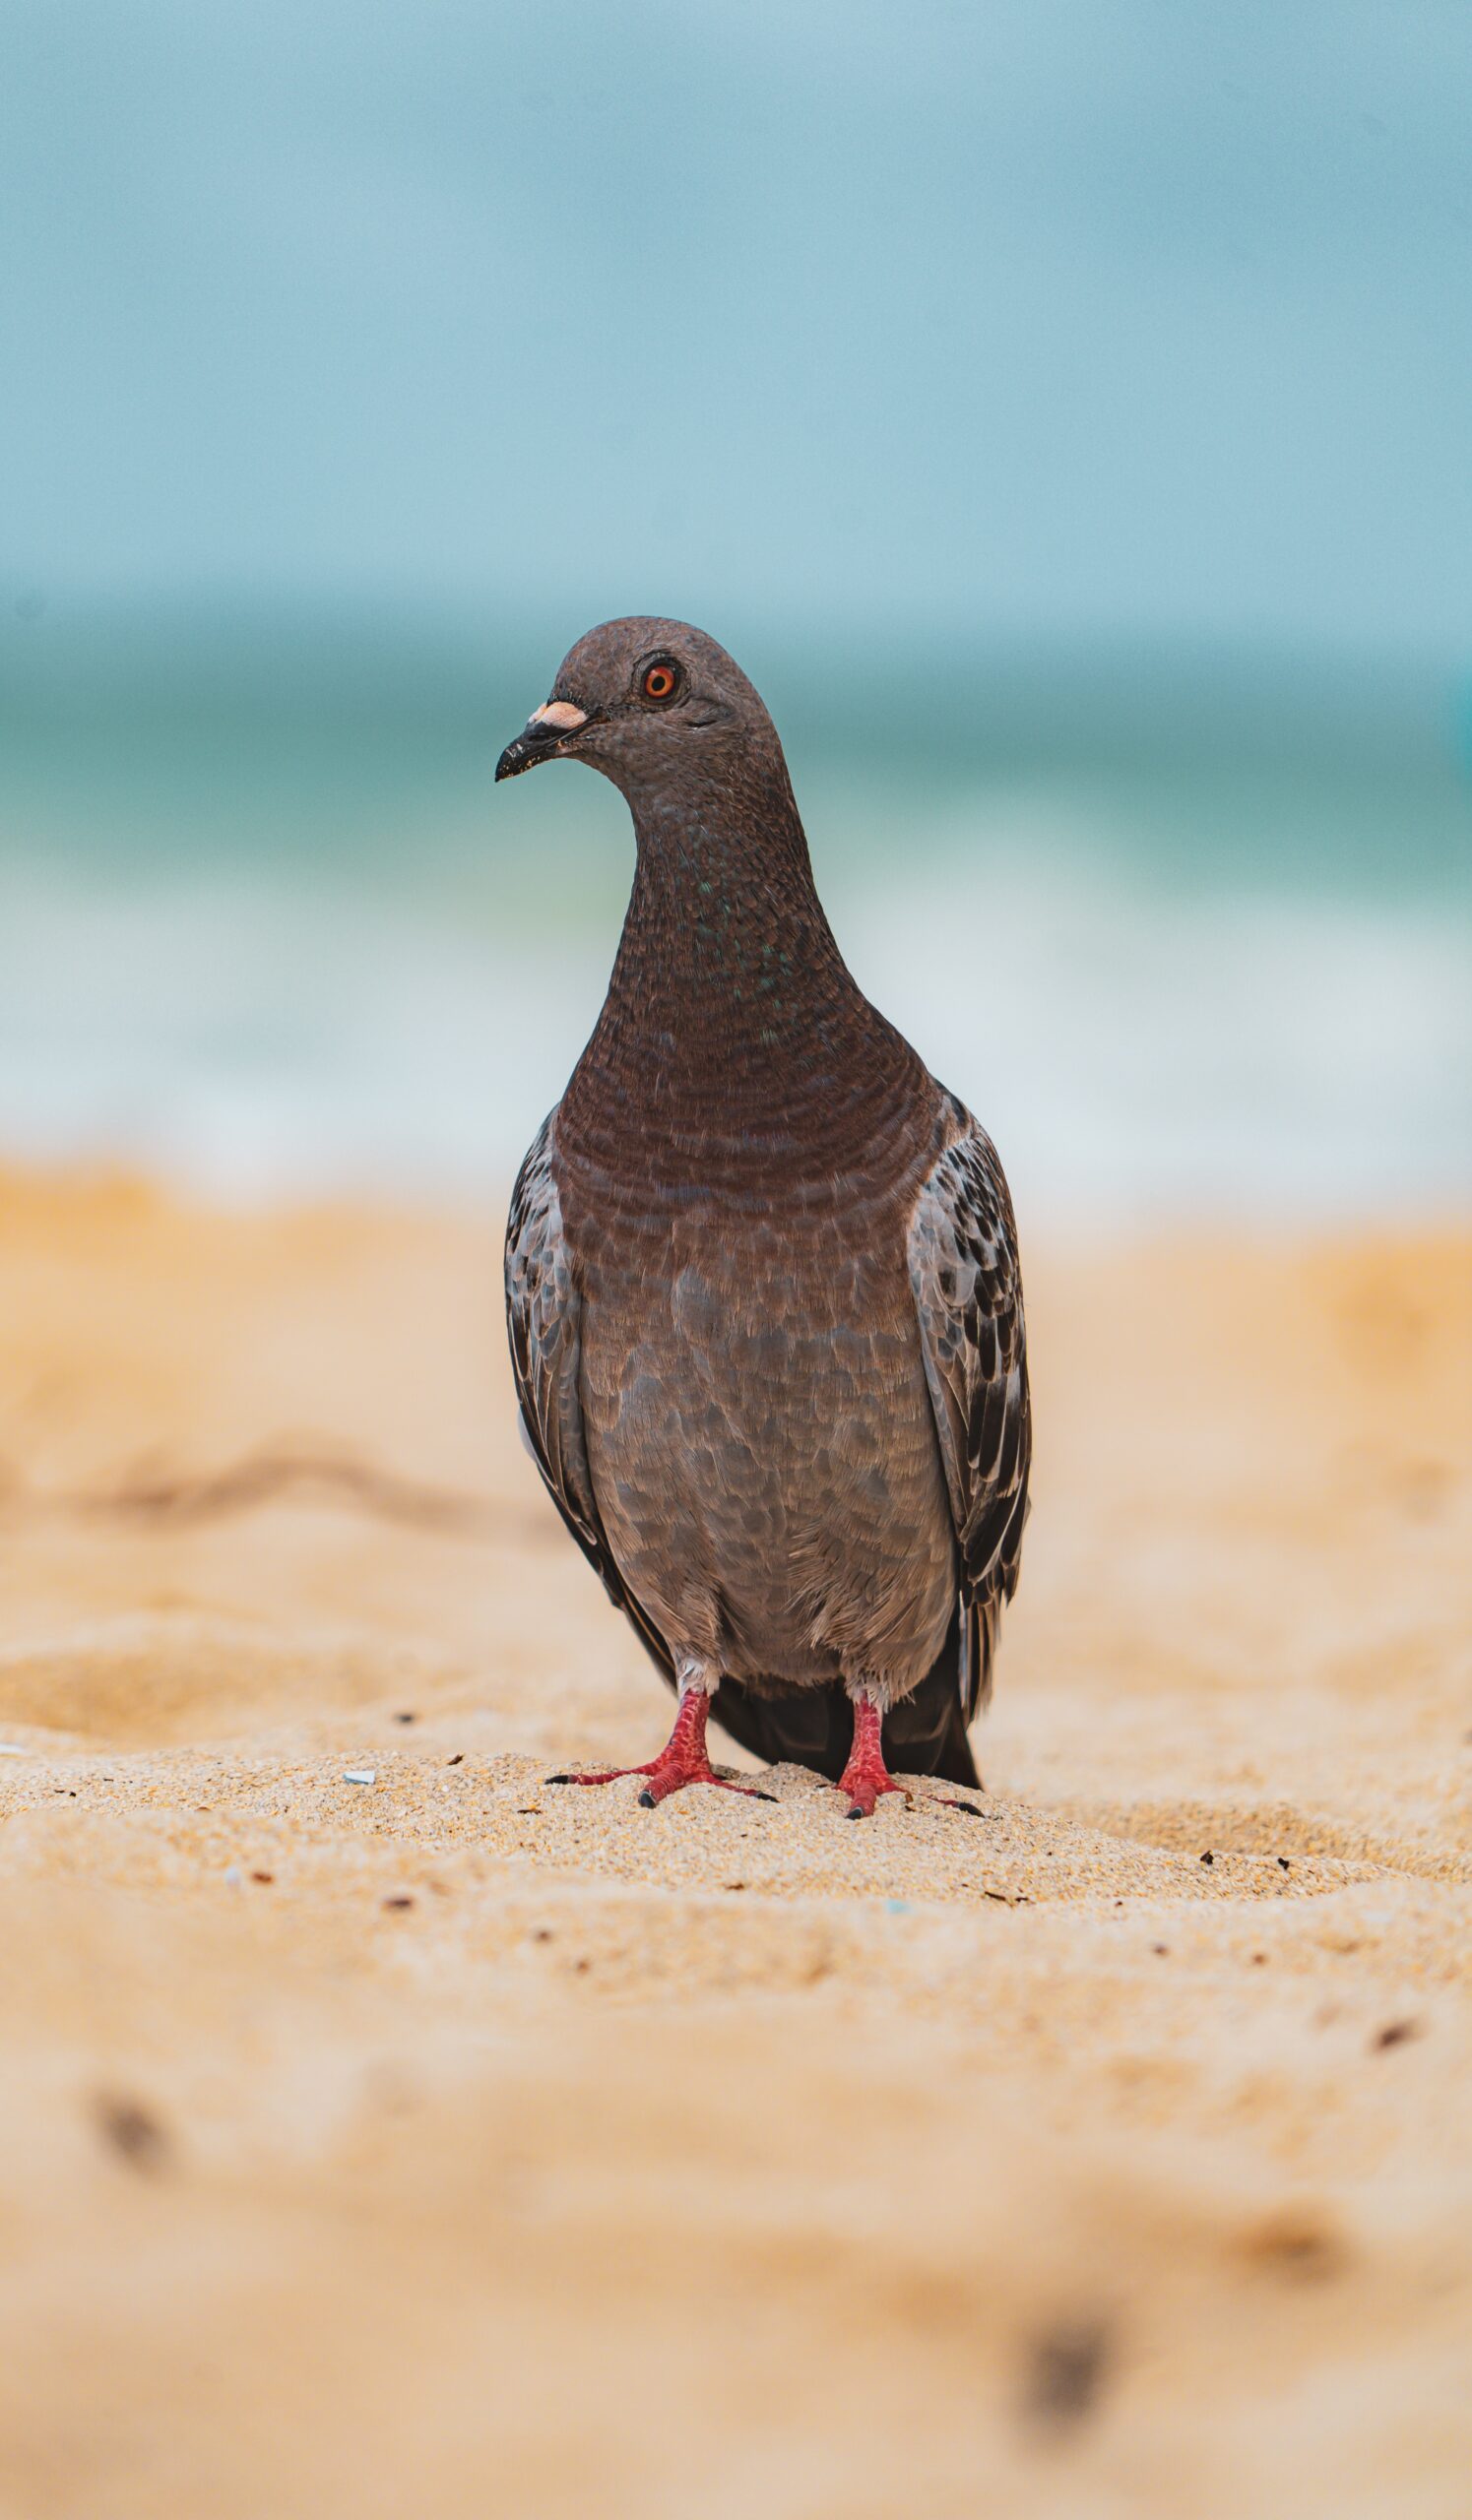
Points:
point(759, 1427)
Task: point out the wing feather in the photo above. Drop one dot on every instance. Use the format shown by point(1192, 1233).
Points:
point(962, 1250)
point(544, 1319)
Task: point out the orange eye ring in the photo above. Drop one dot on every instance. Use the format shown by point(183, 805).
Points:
point(660, 680)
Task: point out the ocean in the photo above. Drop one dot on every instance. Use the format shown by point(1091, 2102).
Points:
point(1192, 932)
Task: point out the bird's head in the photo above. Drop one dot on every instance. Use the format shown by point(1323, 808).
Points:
point(655, 705)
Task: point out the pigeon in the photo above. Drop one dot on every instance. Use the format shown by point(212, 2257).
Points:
point(763, 1283)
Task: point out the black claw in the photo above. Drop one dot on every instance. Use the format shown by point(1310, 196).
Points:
point(973, 1810)
point(854, 1813)
point(647, 1801)
point(755, 1794)
point(559, 1779)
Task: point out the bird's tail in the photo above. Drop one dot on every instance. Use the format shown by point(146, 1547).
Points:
point(925, 1735)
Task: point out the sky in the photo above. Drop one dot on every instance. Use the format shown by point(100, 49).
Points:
point(1063, 318)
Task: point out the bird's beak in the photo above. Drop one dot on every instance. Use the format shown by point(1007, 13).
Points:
point(541, 737)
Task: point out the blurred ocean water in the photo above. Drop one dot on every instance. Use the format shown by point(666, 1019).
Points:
point(1193, 935)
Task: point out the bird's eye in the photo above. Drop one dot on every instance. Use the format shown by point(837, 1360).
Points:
point(660, 680)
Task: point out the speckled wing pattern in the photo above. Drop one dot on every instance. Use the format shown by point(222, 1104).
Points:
point(544, 1316)
point(962, 1249)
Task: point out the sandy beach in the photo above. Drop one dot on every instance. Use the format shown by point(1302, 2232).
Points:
point(448, 2143)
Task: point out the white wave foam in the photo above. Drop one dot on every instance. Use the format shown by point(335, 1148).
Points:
point(1135, 1055)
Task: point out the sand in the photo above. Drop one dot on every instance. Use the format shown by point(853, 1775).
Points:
point(449, 2143)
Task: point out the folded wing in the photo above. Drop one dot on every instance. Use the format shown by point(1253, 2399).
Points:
point(543, 1317)
point(962, 1250)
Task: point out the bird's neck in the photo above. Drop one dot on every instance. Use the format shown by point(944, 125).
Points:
point(732, 1027)
point(724, 949)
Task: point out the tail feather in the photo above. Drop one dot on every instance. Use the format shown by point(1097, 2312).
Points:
point(925, 1735)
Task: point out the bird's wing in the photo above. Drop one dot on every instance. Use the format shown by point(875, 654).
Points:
point(543, 1317)
point(962, 1251)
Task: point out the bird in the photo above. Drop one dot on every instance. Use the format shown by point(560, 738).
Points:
point(763, 1283)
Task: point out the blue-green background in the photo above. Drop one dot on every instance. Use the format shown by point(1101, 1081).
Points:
point(1064, 411)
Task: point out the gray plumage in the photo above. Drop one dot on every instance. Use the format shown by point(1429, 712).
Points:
point(761, 1275)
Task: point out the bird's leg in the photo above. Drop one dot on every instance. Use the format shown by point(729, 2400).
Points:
point(866, 1777)
point(685, 1759)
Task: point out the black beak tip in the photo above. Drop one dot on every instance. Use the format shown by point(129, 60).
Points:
point(513, 760)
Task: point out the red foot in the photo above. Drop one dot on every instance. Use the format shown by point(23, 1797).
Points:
point(682, 1761)
point(866, 1777)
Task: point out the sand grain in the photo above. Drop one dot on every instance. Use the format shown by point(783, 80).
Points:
point(462, 2144)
